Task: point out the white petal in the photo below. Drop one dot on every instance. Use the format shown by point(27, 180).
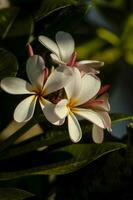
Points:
point(90, 115)
point(13, 85)
point(91, 63)
point(74, 86)
point(61, 108)
point(105, 106)
point(48, 109)
point(97, 134)
point(85, 69)
point(90, 87)
point(66, 45)
point(25, 109)
point(56, 59)
point(57, 79)
point(50, 44)
point(35, 70)
point(74, 128)
point(106, 119)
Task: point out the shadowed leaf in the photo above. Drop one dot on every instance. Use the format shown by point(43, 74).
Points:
point(59, 161)
point(8, 64)
point(14, 194)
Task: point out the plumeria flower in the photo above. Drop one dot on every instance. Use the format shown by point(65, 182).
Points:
point(102, 107)
point(4, 4)
point(79, 91)
point(63, 52)
point(39, 87)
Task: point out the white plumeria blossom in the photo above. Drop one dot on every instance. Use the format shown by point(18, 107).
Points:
point(4, 4)
point(38, 88)
point(78, 91)
point(63, 52)
point(102, 107)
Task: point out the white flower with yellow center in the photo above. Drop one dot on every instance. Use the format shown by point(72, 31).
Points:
point(102, 107)
point(78, 91)
point(39, 87)
point(63, 52)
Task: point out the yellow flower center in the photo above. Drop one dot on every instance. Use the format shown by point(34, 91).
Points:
point(71, 105)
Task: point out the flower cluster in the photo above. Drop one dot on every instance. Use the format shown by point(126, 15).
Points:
point(72, 90)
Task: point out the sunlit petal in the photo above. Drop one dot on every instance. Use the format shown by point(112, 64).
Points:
point(13, 85)
point(74, 86)
point(56, 59)
point(97, 134)
point(90, 115)
point(90, 87)
point(66, 45)
point(50, 44)
point(106, 119)
point(105, 106)
point(35, 67)
point(91, 63)
point(57, 79)
point(84, 69)
point(61, 108)
point(48, 109)
point(25, 109)
point(74, 128)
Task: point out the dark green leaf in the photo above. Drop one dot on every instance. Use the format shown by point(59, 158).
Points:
point(60, 161)
point(8, 64)
point(22, 26)
point(7, 17)
point(14, 194)
point(49, 6)
point(48, 138)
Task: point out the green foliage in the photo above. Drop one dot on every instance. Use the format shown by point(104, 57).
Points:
point(8, 64)
point(59, 161)
point(118, 117)
point(7, 18)
point(47, 7)
point(14, 194)
point(110, 42)
point(22, 26)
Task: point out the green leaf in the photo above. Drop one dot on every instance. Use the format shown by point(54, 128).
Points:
point(108, 36)
point(112, 3)
point(128, 29)
point(109, 55)
point(14, 194)
point(118, 117)
point(22, 26)
point(60, 161)
point(129, 57)
point(49, 6)
point(8, 64)
point(50, 137)
point(7, 17)
point(86, 49)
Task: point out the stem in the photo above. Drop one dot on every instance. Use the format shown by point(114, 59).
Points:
point(30, 50)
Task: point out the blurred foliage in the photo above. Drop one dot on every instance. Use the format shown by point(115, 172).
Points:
point(13, 194)
point(103, 30)
point(8, 64)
